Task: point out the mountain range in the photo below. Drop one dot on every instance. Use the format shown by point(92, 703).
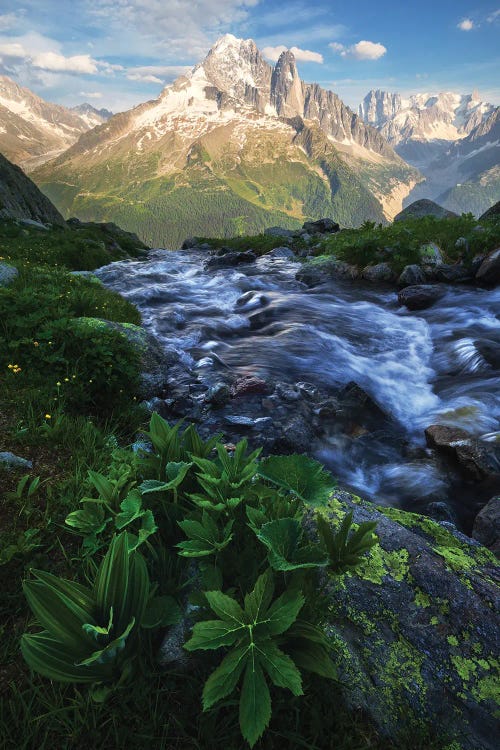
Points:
point(232, 147)
point(33, 130)
point(453, 139)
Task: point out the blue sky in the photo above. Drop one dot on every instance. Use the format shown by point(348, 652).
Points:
point(117, 53)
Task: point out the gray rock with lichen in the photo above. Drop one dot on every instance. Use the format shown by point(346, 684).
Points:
point(7, 274)
point(415, 631)
point(12, 462)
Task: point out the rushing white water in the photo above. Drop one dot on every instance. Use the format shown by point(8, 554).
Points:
point(432, 366)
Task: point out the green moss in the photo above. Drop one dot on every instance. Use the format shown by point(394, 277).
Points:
point(381, 563)
point(459, 556)
point(452, 640)
point(422, 599)
point(401, 674)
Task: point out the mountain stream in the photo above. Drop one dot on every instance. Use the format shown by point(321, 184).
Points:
point(420, 368)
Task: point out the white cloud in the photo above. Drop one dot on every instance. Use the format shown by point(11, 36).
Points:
point(91, 94)
point(363, 50)
point(7, 21)
point(494, 16)
point(12, 49)
point(156, 73)
point(56, 62)
point(144, 78)
point(181, 28)
point(466, 25)
point(301, 55)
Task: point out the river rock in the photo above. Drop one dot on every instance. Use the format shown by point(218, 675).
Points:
point(379, 272)
point(279, 253)
point(489, 270)
point(318, 271)
point(411, 275)
point(11, 462)
point(279, 232)
point(321, 226)
point(478, 459)
point(415, 630)
point(430, 254)
point(190, 242)
point(248, 384)
point(452, 273)
point(231, 258)
point(218, 394)
point(419, 297)
point(8, 274)
point(486, 527)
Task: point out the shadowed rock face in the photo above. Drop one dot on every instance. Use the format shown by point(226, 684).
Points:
point(416, 631)
point(492, 212)
point(21, 199)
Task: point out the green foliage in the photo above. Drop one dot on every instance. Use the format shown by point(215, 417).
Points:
point(226, 481)
point(25, 484)
point(172, 446)
point(200, 507)
point(79, 248)
point(345, 550)
point(91, 634)
point(301, 475)
point(117, 507)
point(25, 543)
point(205, 537)
point(251, 631)
point(398, 244)
point(286, 547)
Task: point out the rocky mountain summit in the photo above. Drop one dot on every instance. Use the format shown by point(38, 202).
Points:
point(33, 130)
point(91, 115)
point(244, 143)
point(453, 139)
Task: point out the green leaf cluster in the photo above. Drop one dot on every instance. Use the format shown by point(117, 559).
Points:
point(255, 656)
point(90, 633)
point(198, 522)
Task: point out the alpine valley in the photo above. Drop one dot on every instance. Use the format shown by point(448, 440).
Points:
point(230, 148)
point(33, 130)
point(453, 139)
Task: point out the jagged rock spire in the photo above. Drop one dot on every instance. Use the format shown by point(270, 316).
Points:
point(287, 94)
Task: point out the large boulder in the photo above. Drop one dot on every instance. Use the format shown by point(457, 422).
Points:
point(378, 273)
point(486, 527)
point(321, 226)
point(229, 259)
point(478, 459)
point(424, 207)
point(156, 359)
point(415, 629)
point(430, 255)
point(8, 274)
point(420, 297)
point(411, 275)
point(489, 270)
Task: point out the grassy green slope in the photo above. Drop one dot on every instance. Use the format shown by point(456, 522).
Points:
point(475, 195)
point(223, 192)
